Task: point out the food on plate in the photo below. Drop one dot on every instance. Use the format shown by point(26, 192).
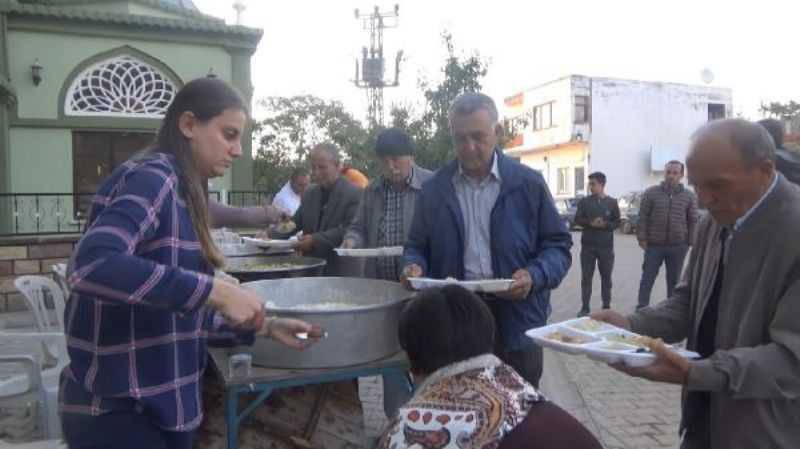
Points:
point(589, 325)
point(269, 266)
point(285, 227)
point(640, 341)
point(564, 338)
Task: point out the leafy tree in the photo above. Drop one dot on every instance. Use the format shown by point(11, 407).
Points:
point(295, 124)
point(784, 111)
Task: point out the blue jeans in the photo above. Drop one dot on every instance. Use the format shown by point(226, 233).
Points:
point(120, 430)
point(396, 392)
point(672, 257)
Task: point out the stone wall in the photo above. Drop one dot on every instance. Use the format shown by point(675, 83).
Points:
point(29, 255)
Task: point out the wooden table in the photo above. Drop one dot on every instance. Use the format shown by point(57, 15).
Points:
point(267, 380)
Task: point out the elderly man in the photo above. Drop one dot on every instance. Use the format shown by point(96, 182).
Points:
point(486, 216)
point(667, 218)
point(288, 197)
point(738, 302)
point(387, 205)
point(326, 210)
point(384, 219)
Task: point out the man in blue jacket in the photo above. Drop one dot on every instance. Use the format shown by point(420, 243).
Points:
point(486, 216)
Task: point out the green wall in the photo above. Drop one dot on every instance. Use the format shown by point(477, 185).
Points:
point(59, 54)
point(41, 160)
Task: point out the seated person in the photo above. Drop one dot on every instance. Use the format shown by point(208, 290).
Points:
point(466, 397)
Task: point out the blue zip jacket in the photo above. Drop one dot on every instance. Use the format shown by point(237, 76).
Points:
point(526, 232)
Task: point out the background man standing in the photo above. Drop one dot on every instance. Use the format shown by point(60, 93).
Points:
point(667, 218)
point(598, 214)
point(289, 196)
point(486, 216)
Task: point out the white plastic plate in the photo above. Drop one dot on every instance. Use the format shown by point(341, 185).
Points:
point(386, 251)
point(272, 243)
point(599, 341)
point(485, 286)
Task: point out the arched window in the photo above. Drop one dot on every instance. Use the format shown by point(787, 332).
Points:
point(120, 86)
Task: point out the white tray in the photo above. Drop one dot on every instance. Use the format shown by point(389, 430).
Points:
point(597, 341)
point(485, 286)
point(271, 243)
point(386, 251)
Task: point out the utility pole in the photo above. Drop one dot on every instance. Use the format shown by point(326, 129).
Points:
point(373, 65)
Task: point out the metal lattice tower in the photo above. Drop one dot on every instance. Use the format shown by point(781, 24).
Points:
point(373, 65)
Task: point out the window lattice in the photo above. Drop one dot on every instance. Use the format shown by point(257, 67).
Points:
point(122, 86)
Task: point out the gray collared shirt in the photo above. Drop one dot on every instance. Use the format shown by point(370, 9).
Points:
point(477, 198)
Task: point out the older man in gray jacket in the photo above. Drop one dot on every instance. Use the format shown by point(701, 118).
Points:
point(383, 219)
point(387, 204)
point(738, 303)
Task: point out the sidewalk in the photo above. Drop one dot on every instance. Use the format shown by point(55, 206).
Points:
point(621, 411)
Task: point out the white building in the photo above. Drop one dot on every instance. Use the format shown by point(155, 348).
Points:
point(573, 126)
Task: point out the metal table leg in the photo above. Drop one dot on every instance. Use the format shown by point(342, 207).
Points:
point(232, 417)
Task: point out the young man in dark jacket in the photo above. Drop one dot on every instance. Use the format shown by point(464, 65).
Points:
point(667, 218)
point(486, 216)
point(598, 215)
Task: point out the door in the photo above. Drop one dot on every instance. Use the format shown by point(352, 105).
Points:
point(95, 155)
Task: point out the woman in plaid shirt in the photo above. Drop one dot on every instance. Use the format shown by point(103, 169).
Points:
point(144, 298)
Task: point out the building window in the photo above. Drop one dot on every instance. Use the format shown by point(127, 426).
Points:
point(120, 86)
point(543, 116)
point(716, 111)
point(580, 180)
point(96, 154)
point(581, 109)
point(563, 176)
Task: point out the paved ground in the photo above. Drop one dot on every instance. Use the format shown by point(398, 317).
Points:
point(621, 411)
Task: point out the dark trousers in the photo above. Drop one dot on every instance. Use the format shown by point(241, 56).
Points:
point(672, 257)
point(604, 259)
point(120, 430)
point(528, 362)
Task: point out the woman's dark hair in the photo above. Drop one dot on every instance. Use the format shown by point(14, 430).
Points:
point(205, 98)
point(445, 325)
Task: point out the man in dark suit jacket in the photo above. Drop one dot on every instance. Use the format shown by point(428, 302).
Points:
point(326, 210)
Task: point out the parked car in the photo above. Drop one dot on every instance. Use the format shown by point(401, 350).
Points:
point(567, 207)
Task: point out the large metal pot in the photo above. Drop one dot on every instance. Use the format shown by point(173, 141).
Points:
point(362, 329)
point(242, 268)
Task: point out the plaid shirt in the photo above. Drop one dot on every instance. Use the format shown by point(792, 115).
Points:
point(136, 324)
point(390, 231)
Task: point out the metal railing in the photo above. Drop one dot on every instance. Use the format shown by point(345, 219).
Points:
point(248, 198)
point(43, 213)
point(65, 213)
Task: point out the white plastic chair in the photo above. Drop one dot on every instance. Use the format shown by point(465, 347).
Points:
point(36, 289)
point(60, 272)
point(49, 336)
point(43, 381)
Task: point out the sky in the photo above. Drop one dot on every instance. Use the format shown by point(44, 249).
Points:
point(309, 47)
